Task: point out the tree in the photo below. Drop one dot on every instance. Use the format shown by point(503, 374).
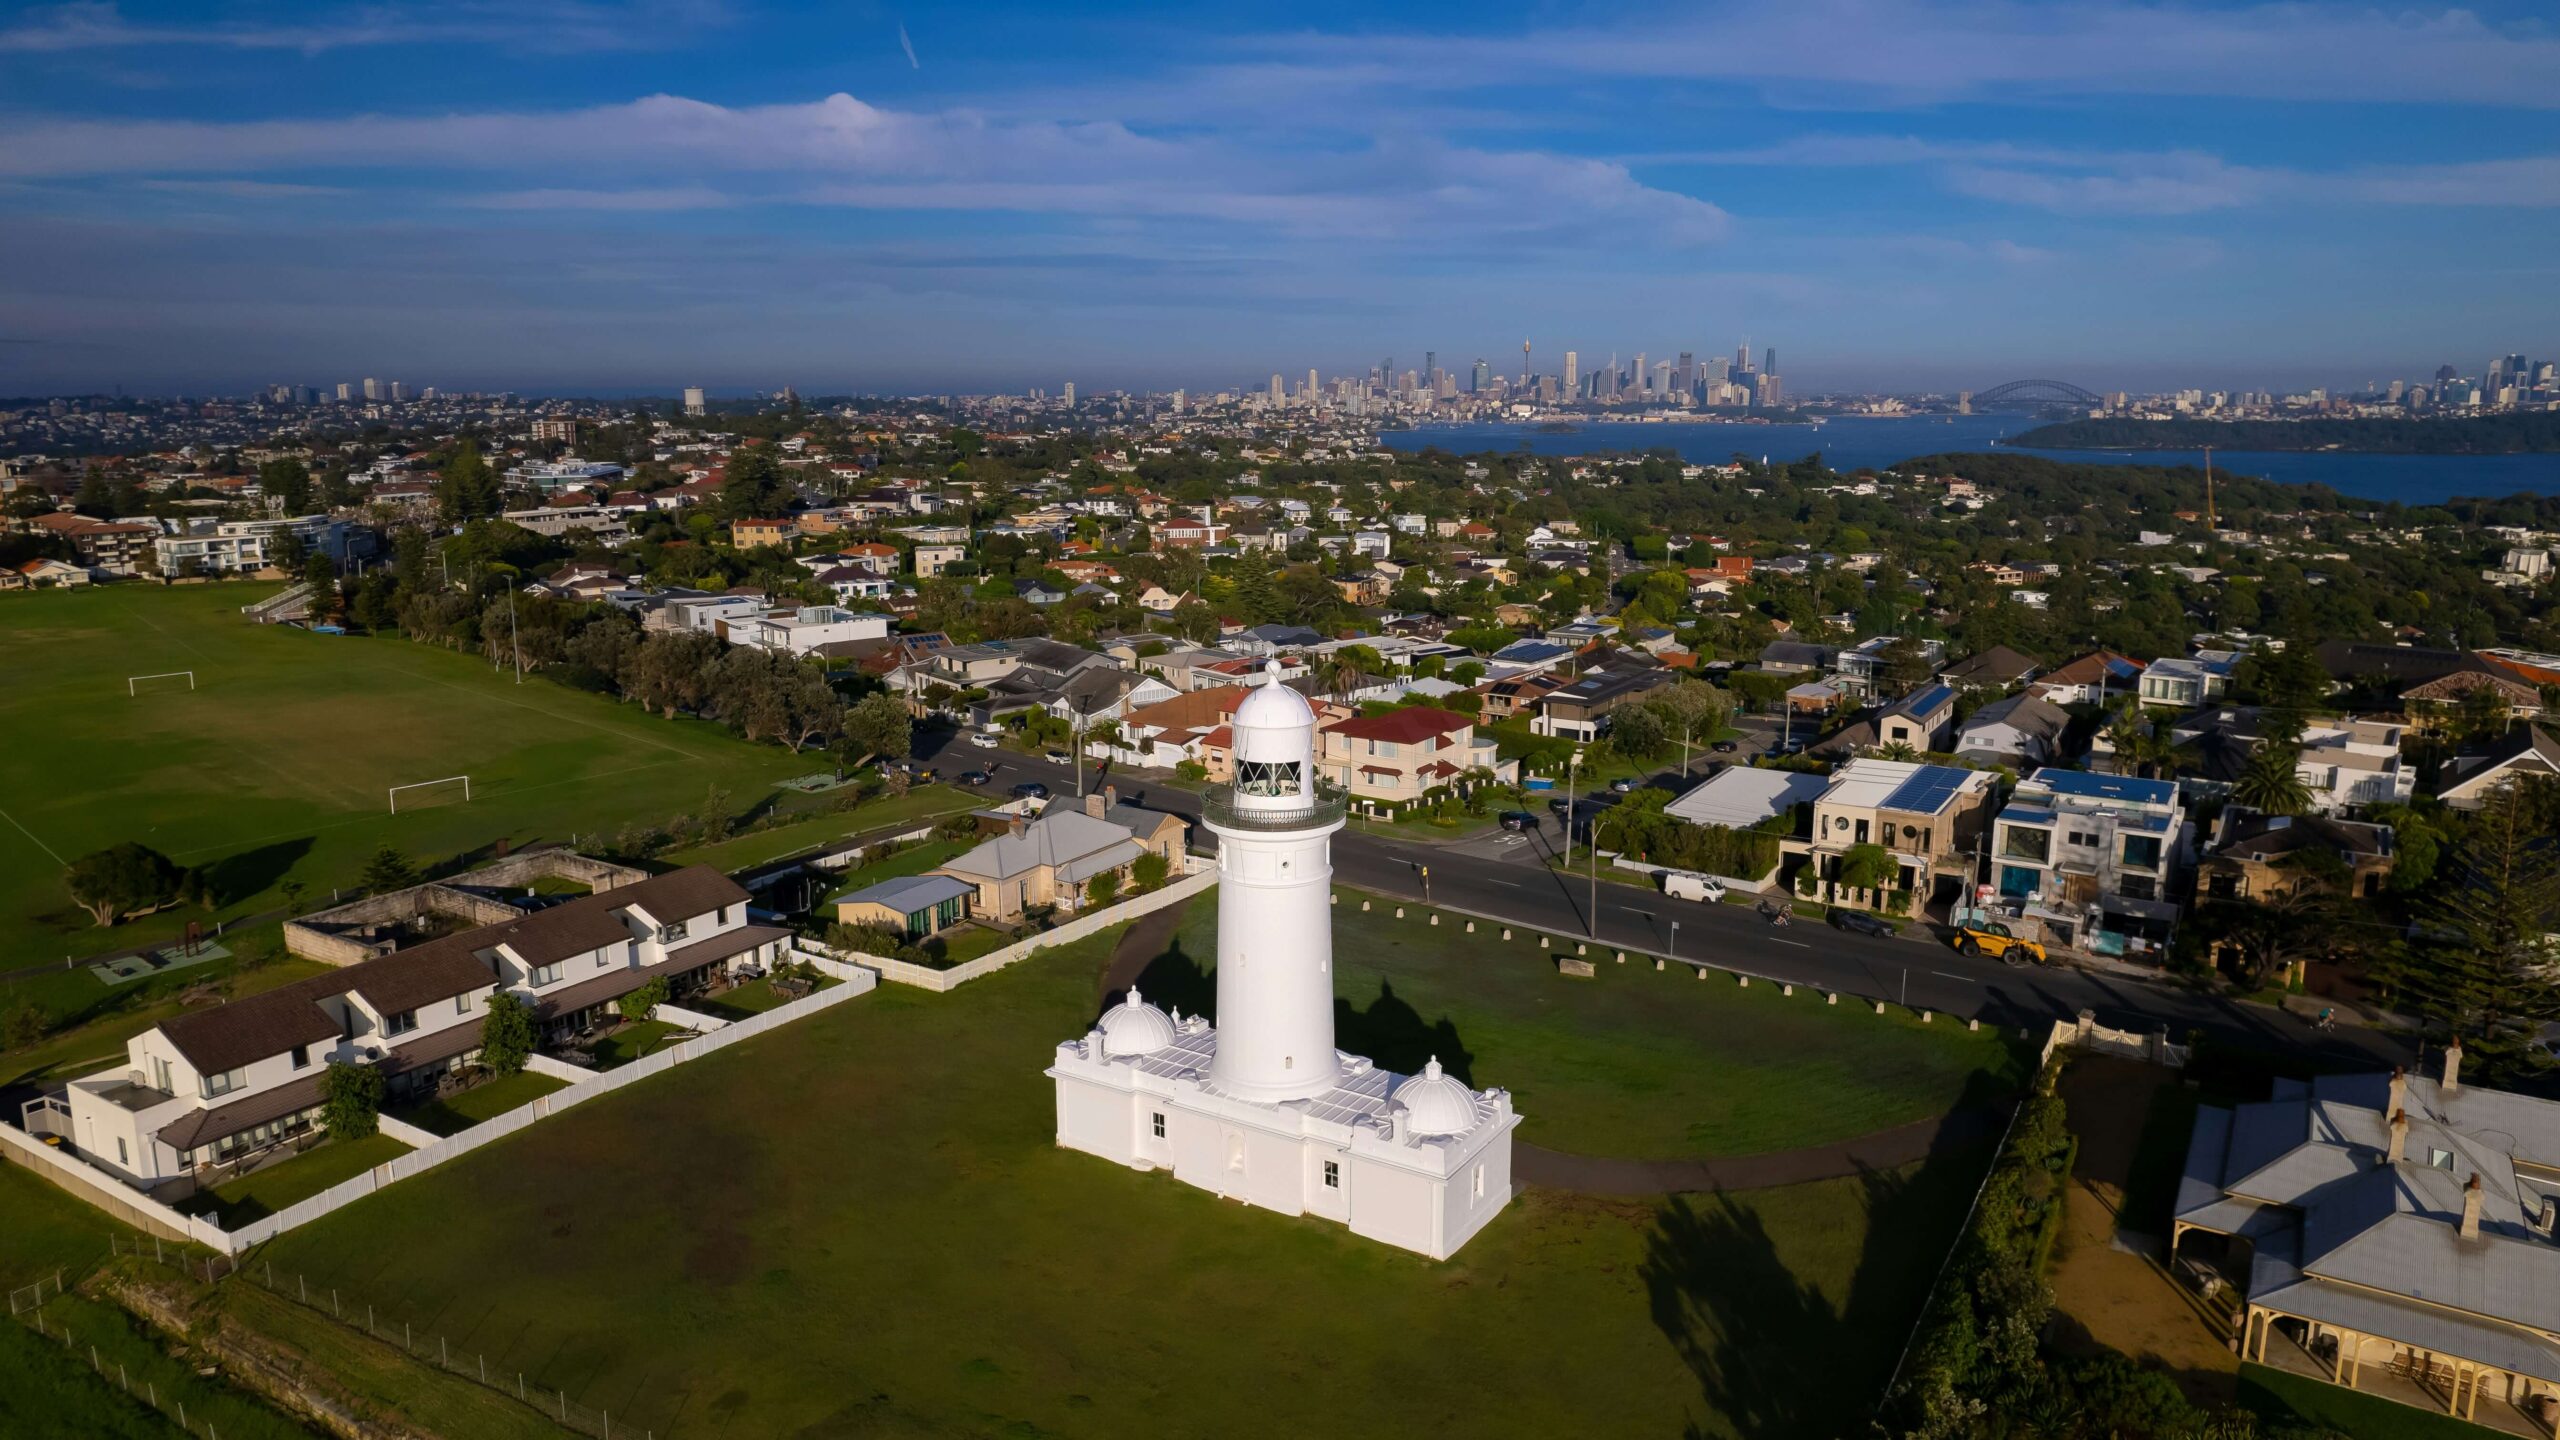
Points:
point(387, 870)
point(287, 481)
point(1638, 732)
point(755, 486)
point(2290, 678)
point(878, 727)
point(2271, 782)
point(1102, 889)
point(469, 489)
point(351, 1100)
point(124, 879)
point(1896, 750)
point(1149, 871)
point(640, 1004)
point(2494, 985)
point(507, 1034)
point(21, 1024)
point(1906, 664)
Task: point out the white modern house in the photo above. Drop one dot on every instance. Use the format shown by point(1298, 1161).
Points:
point(1263, 1109)
point(209, 1087)
point(2093, 855)
point(802, 631)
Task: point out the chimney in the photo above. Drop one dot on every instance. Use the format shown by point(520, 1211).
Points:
point(2548, 1221)
point(2453, 1066)
point(1093, 804)
point(2399, 1100)
point(2399, 1136)
point(2471, 1209)
point(1020, 824)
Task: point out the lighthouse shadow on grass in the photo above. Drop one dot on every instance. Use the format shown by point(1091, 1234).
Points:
point(1387, 1029)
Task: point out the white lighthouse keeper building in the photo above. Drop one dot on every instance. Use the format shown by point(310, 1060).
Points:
point(1262, 1108)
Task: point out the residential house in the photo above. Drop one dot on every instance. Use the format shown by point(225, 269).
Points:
point(2527, 752)
point(802, 631)
point(1518, 693)
point(1928, 817)
point(1388, 762)
point(2389, 1233)
point(2016, 730)
point(44, 574)
point(2345, 760)
point(1862, 666)
point(2095, 859)
point(1797, 657)
point(752, 534)
point(1997, 668)
point(1739, 797)
point(2271, 857)
point(206, 1088)
point(2101, 677)
point(1048, 861)
point(1580, 711)
point(2433, 698)
point(932, 560)
point(117, 547)
point(1190, 533)
point(915, 906)
point(2183, 683)
point(1925, 719)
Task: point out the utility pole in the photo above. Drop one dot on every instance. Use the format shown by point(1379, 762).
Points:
point(513, 638)
point(2210, 528)
point(1595, 877)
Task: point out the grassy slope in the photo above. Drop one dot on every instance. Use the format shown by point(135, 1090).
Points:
point(456, 1113)
point(288, 1182)
point(889, 1165)
point(277, 764)
point(1632, 1063)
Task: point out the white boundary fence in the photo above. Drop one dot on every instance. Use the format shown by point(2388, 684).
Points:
point(105, 1192)
point(924, 977)
point(2085, 1033)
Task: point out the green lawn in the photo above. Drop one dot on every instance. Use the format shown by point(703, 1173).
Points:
point(456, 1113)
point(275, 766)
point(632, 1042)
point(743, 852)
point(261, 1193)
point(1634, 1062)
point(914, 860)
point(753, 998)
point(114, 1015)
point(2280, 1395)
point(661, 1253)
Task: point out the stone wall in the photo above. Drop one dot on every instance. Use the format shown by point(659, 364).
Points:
point(341, 934)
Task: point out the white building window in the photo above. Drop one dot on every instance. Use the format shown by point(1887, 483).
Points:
point(224, 1083)
point(401, 1023)
point(675, 931)
point(1333, 1174)
point(1479, 1182)
point(123, 1156)
point(545, 974)
point(1159, 1124)
point(462, 1003)
point(301, 1057)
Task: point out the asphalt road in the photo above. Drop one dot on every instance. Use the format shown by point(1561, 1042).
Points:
point(1507, 878)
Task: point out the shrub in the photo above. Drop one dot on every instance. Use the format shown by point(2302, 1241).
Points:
point(641, 1003)
point(1150, 871)
point(1102, 889)
point(506, 1033)
point(351, 1100)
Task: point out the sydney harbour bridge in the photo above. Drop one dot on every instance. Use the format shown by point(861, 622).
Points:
point(2033, 393)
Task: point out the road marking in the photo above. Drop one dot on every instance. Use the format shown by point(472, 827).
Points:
point(1498, 880)
point(1943, 975)
point(1796, 943)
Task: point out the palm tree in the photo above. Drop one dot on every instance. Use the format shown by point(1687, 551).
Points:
point(1895, 750)
point(2271, 783)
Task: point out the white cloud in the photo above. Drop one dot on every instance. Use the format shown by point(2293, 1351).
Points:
point(841, 151)
point(549, 25)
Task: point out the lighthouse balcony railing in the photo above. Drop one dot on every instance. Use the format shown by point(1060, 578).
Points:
point(1220, 808)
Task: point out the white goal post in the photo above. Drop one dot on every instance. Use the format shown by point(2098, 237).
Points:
point(133, 683)
point(463, 780)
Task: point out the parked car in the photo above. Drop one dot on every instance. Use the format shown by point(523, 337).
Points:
point(974, 777)
point(1725, 747)
point(1519, 820)
point(983, 740)
point(1624, 785)
point(1057, 757)
point(1689, 885)
point(1859, 922)
point(1030, 790)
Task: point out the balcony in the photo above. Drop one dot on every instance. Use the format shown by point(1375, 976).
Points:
point(1219, 808)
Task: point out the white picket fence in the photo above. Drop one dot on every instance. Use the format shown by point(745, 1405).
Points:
point(584, 1085)
point(1203, 874)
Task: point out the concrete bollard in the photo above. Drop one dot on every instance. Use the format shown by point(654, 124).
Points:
point(1435, 917)
point(1364, 905)
point(1831, 997)
point(1657, 962)
point(1927, 1015)
point(1581, 947)
point(1622, 957)
point(1786, 989)
point(1746, 981)
point(1399, 912)
point(1703, 972)
point(1879, 1007)
point(1542, 942)
point(1506, 932)
point(1973, 1024)
point(1471, 927)
point(1337, 897)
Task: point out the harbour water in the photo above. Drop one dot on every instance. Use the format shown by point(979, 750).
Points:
point(1848, 443)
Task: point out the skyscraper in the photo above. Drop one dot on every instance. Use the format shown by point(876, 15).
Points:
point(372, 389)
point(1475, 381)
point(1644, 376)
point(1572, 372)
point(1742, 356)
point(1279, 390)
point(1067, 393)
point(1431, 365)
point(1769, 362)
point(1314, 389)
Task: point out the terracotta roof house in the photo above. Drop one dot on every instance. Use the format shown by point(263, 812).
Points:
point(1388, 762)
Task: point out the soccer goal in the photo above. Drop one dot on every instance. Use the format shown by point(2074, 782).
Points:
point(462, 780)
point(133, 683)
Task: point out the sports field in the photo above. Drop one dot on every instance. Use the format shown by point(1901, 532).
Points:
point(277, 763)
point(860, 1225)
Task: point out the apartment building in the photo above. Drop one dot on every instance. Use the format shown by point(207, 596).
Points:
point(1929, 817)
point(235, 545)
point(1390, 761)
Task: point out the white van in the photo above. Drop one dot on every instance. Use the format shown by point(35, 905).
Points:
point(1689, 885)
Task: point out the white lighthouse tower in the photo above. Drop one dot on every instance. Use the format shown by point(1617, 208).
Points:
point(1262, 1108)
point(1275, 880)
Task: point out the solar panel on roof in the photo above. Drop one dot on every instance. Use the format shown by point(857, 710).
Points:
point(1927, 789)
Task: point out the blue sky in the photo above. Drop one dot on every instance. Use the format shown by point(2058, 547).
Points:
point(567, 195)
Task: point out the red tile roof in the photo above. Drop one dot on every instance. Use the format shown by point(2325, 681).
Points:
point(1404, 727)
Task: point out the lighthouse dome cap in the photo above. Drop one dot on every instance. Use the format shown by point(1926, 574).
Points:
point(1274, 706)
point(1436, 1103)
point(1134, 1027)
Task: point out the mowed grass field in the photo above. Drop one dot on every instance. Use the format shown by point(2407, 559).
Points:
point(277, 764)
point(1633, 1062)
point(860, 1225)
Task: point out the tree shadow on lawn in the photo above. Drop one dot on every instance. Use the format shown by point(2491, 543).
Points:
point(1772, 1354)
point(235, 878)
point(1389, 1030)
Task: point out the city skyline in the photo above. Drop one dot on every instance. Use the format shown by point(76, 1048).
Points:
point(562, 198)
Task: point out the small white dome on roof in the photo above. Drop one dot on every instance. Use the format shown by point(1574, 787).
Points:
point(1274, 706)
point(1134, 1027)
point(1436, 1103)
